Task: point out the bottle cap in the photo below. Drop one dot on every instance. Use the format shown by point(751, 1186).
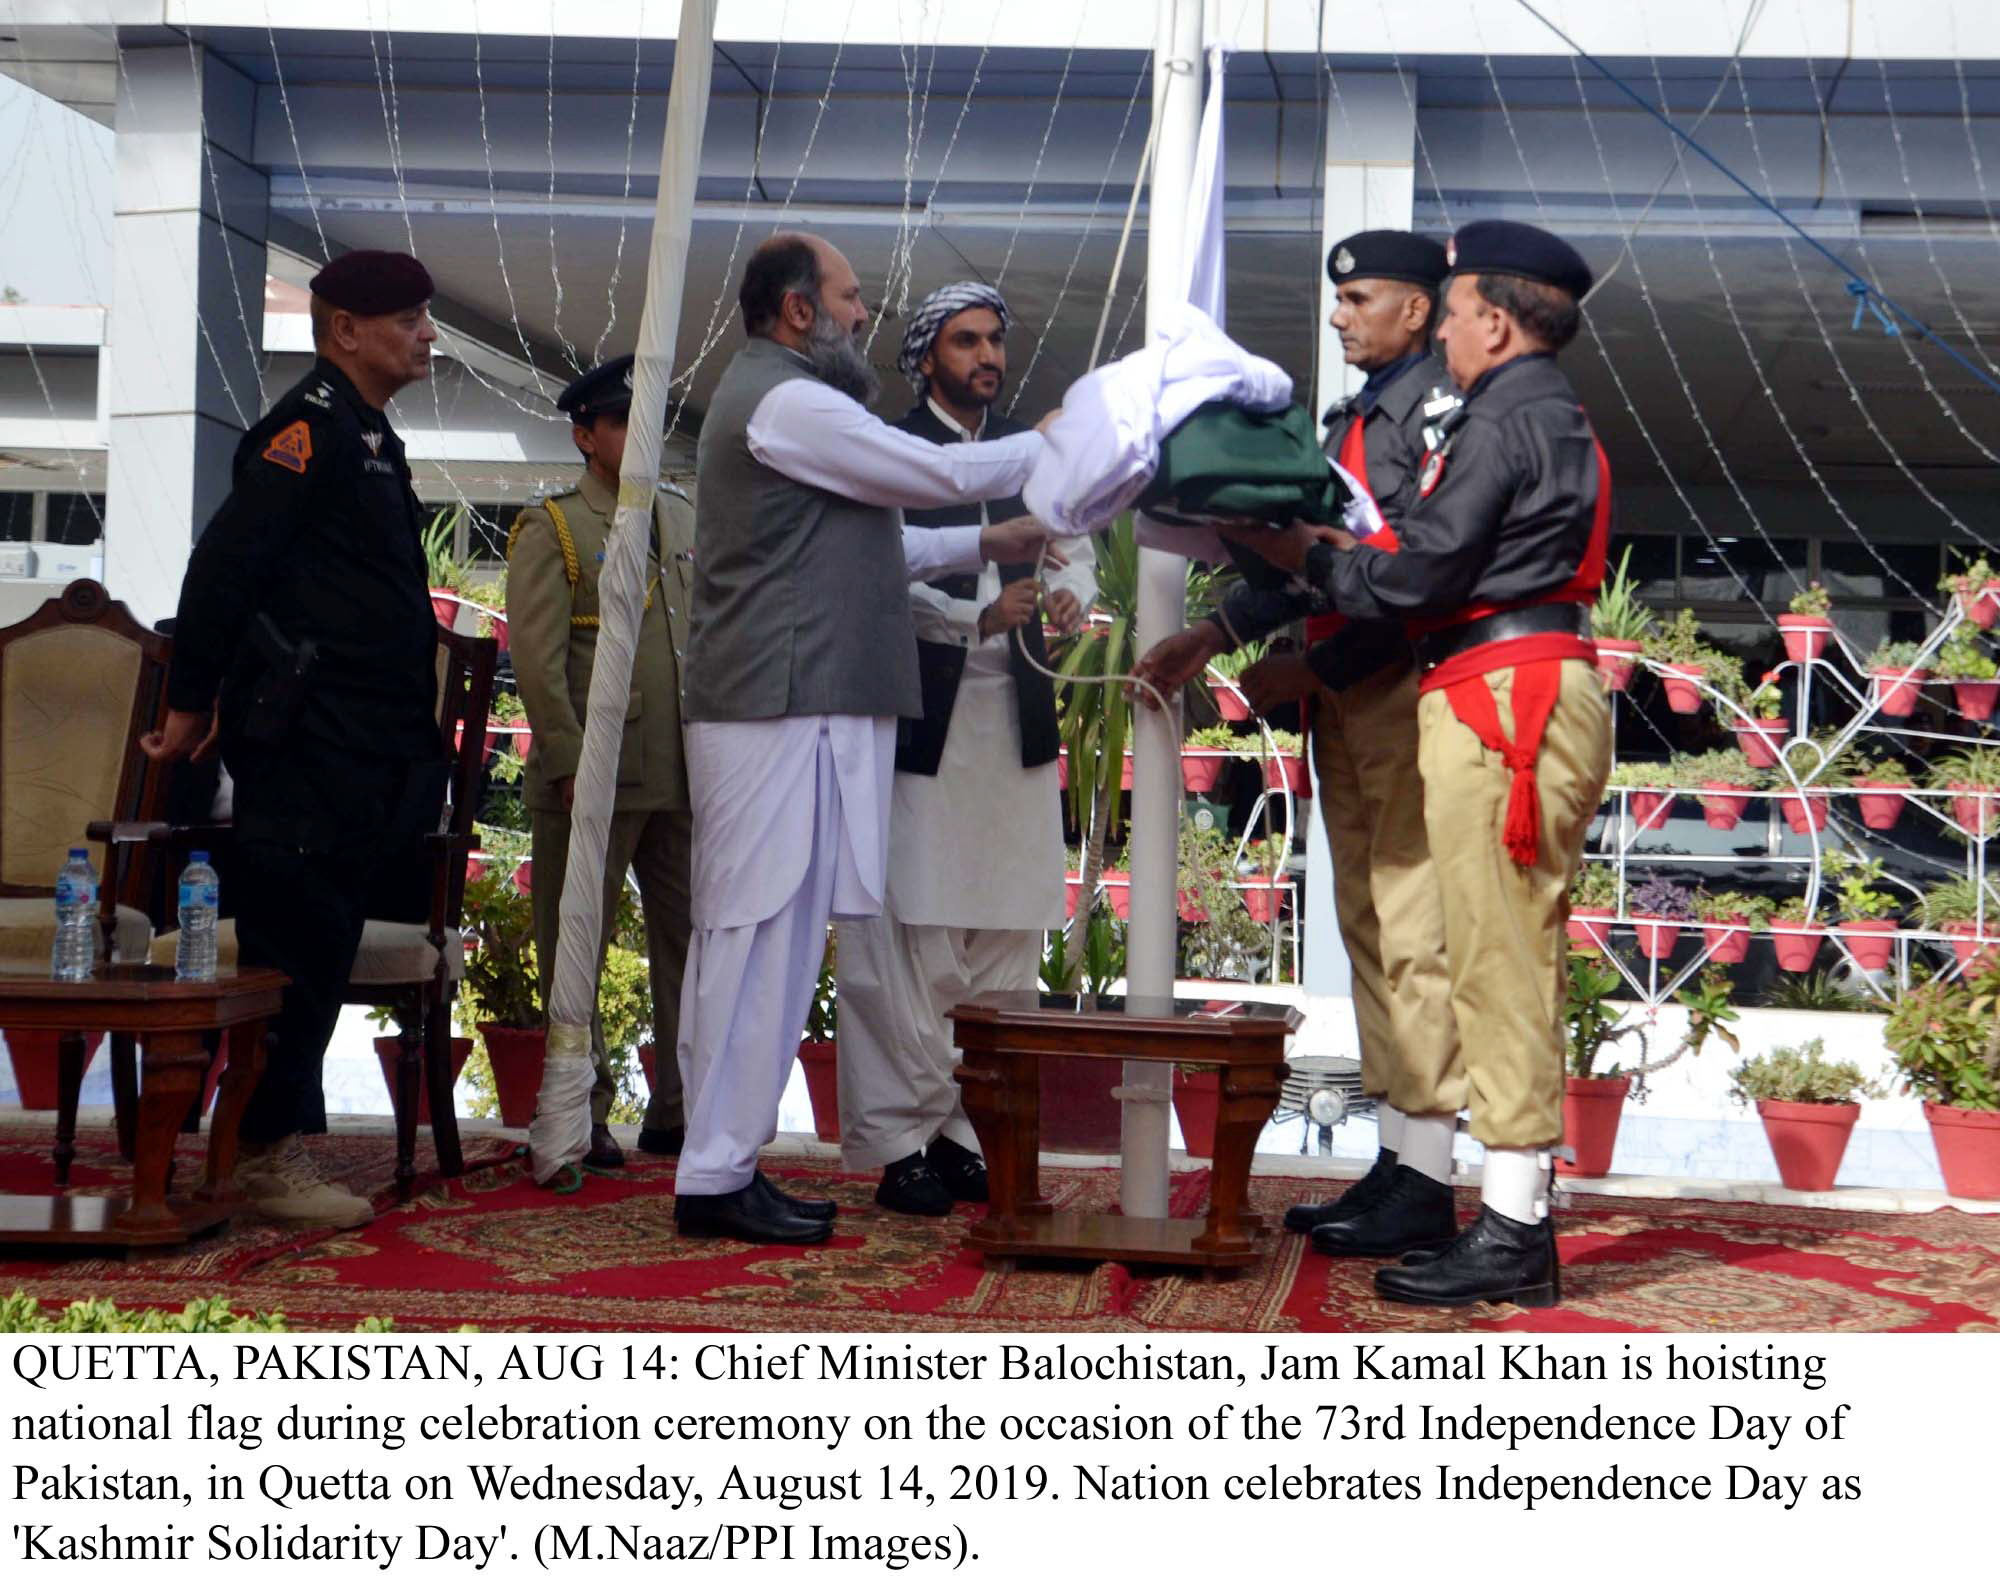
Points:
point(200, 857)
point(79, 854)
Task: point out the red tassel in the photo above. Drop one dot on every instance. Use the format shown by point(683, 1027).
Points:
point(1524, 817)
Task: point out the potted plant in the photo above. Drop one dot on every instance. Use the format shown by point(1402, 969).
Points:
point(1975, 678)
point(1971, 920)
point(1977, 590)
point(1946, 1039)
point(1682, 657)
point(1898, 677)
point(1224, 669)
point(1619, 625)
point(1286, 769)
point(1762, 737)
point(1263, 889)
point(818, 1055)
point(1867, 911)
point(1796, 934)
point(449, 576)
point(389, 1052)
point(1649, 790)
point(1806, 809)
point(1117, 880)
point(1197, 1095)
point(1593, 900)
point(501, 994)
point(1660, 909)
point(1881, 781)
point(1809, 626)
point(1204, 754)
point(1727, 781)
point(1726, 918)
point(34, 1055)
point(1593, 1102)
point(1809, 1106)
point(1973, 777)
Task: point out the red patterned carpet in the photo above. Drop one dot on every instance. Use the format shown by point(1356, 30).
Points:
point(491, 1250)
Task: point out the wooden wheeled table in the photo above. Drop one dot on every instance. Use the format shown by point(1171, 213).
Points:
point(1001, 1034)
point(170, 1019)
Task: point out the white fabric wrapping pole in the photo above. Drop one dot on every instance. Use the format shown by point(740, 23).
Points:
point(560, 1133)
point(1156, 736)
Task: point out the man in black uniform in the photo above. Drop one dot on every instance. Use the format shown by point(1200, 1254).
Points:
point(1364, 735)
point(1500, 558)
point(306, 646)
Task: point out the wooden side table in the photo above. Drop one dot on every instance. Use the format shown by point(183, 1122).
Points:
point(169, 1018)
point(1001, 1034)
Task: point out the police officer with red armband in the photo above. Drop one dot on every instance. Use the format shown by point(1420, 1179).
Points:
point(1363, 688)
point(1499, 559)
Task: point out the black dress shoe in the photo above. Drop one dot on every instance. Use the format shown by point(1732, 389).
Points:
point(1359, 1196)
point(663, 1142)
point(799, 1205)
point(1413, 1213)
point(911, 1187)
point(747, 1213)
point(961, 1172)
point(1495, 1258)
point(604, 1151)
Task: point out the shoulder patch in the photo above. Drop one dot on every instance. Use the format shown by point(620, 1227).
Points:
point(291, 447)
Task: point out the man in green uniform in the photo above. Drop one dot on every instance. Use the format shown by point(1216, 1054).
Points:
point(553, 559)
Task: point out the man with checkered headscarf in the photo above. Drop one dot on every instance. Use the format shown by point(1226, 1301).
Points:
point(975, 825)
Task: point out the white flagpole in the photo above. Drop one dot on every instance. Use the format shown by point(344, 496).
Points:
point(561, 1130)
point(1156, 736)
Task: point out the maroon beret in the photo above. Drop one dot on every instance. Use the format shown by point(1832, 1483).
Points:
point(369, 284)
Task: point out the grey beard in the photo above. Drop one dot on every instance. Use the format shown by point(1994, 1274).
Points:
point(837, 358)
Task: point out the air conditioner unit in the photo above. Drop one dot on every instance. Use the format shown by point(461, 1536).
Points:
point(17, 559)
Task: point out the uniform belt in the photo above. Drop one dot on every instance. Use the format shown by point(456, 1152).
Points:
point(1540, 620)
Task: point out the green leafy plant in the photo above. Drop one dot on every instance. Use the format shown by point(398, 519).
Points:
point(1588, 1023)
point(21, 1312)
point(442, 565)
point(1284, 740)
point(1975, 768)
point(1217, 737)
point(1969, 577)
point(1726, 904)
point(1878, 769)
point(1814, 602)
point(1646, 775)
point(506, 766)
point(1223, 943)
point(1956, 902)
point(1894, 655)
point(1230, 665)
point(1818, 993)
point(1800, 1073)
point(1662, 899)
point(823, 1014)
point(1765, 700)
point(1618, 615)
point(1100, 959)
point(500, 984)
point(1860, 897)
point(1677, 641)
point(1711, 1009)
point(1794, 911)
point(1728, 766)
point(1595, 887)
point(1963, 657)
point(1267, 857)
point(1946, 1039)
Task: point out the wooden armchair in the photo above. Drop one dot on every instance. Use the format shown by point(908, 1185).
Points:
point(80, 681)
point(410, 967)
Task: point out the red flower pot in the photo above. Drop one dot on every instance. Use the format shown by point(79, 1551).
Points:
point(390, 1048)
point(1196, 1098)
point(1118, 889)
point(1797, 944)
point(1881, 803)
point(1808, 1138)
point(1650, 806)
point(524, 875)
point(1589, 926)
point(1200, 769)
point(1591, 1110)
point(1724, 804)
point(1286, 772)
point(649, 1064)
point(1728, 941)
point(1657, 935)
point(1805, 814)
point(1870, 941)
point(1072, 890)
point(1966, 942)
point(1805, 635)
point(33, 1054)
point(1762, 740)
point(1975, 697)
point(1899, 689)
point(1981, 604)
point(1682, 693)
point(1974, 811)
point(1125, 772)
point(516, 1058)
point(1262, 897)
point(1615, 660)
point(822, 1087)
point(1190, 905)
point(1968, 1147)
point(1230, 703)
point(444, 606)
point(1062, 767)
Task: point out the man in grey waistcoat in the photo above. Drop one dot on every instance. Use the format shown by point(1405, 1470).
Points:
point(801, 660)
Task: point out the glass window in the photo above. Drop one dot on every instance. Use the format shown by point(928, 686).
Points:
point(1653, 565)
point(17, 517)
point(486, 531)
point(1853, 568)
point(75, 519)
point(1772, 569)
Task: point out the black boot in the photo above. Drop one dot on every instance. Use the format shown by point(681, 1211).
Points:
point(1413, 1212)
point(1359, 1196)
point(1495, 1258)
point(799, 1205)
point(604, 1151)
point(747, 1213)
point(663, 1142)
point(961, 1172)
point(911, 1187)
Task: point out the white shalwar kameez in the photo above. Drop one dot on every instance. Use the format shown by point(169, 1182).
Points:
point(975, 882)
point(791, 814)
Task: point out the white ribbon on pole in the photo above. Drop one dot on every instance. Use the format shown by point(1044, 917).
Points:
point(560, 1133)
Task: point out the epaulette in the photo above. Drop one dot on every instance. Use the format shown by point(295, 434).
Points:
point(320, 394)
point(548, 505)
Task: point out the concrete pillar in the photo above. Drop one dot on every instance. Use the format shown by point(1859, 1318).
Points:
point(1369, 184)
point(184, 338)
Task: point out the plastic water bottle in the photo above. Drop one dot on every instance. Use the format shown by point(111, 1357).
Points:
point(194, 959)
point(75, 953)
